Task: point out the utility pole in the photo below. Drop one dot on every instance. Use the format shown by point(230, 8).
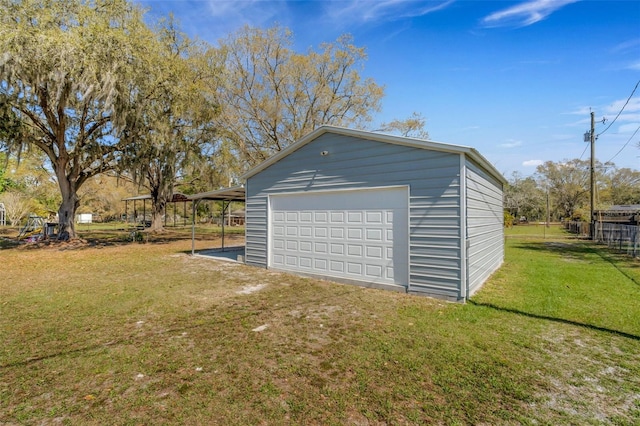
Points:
point(593, 175)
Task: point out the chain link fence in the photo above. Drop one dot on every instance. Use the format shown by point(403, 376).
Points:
point(624, 238)
point(581, 229)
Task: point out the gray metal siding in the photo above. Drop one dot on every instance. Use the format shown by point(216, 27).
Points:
point(485, 230)
point(352, 163)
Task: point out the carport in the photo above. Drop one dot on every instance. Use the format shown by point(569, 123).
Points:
point(225, 195)
point(175, 198)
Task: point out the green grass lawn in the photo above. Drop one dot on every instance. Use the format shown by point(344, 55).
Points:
point(127, 333)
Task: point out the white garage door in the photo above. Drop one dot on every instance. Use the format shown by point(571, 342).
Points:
point(359, 235)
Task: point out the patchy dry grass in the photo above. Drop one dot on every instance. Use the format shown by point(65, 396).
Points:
point(145, 334)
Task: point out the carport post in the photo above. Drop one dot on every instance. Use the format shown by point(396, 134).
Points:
point(223, 212)
point(194, 204)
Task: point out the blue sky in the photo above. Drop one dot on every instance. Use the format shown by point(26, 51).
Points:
point(514, 79)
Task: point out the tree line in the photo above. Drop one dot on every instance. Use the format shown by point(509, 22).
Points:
point(566, 187)
point(96, 103)
point(96, 91)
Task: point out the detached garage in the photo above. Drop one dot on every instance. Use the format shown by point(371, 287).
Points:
point(377, 210)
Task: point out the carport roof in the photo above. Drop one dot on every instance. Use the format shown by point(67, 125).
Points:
point(177, 197)
point(234, 193)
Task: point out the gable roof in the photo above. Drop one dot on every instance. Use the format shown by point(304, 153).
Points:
point(378, 137)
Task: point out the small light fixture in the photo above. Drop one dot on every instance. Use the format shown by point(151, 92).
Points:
point(324, 153)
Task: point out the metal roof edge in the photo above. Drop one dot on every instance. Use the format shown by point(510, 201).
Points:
point(378, 137)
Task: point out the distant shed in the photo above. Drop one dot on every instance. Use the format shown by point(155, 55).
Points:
point(625, 214)
point(377, 210)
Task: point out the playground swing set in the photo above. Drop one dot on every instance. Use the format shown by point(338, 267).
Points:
point(36, 229)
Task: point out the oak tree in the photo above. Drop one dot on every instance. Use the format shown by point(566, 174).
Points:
point(568, 185)
point(66, 71)
point(175, 115)
point(272, 95)
point(412, 126)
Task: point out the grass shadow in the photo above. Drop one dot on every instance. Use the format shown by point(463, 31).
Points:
point(554, 319)
point(581, 250)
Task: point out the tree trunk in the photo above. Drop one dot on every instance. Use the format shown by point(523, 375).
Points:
point(67, 210)
point(157, 215)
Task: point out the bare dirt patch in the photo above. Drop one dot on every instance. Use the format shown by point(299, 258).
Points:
point(588, 382)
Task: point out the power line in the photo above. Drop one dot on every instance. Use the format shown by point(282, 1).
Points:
point(585, 150)
point(623, 107)
point(625, 145)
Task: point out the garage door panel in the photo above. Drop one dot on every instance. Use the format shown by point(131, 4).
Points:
point(337, 248)
point(291, 260)
point(354, 250)
point(374, 234)
point(320, 217)
point(336, 217)
point(320, 247)
point(306, 262)
point(336, 266)
point(292, 245)
point(320, 264)
point(374, 217)
point(306, 246)
point(350, 234)
point(337, 233)
point(354, 234)
point(354, 268)
point(389, 272)
point(354, 217)
point(306, 231)
point(374, 252)
point(320, 232)
point(373, 271)
point(389, 235)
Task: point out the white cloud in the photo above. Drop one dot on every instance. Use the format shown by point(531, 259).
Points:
point(563, 137)
point(583, 110)
point(212, 20)
point(628, 128)
point(532, 163)
point(616, 106)
point(630, 114)
point(627, 46)
point(385, 10)
point(235, 14)
point(634, 66)
point(524, 14)
point(511, 144)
